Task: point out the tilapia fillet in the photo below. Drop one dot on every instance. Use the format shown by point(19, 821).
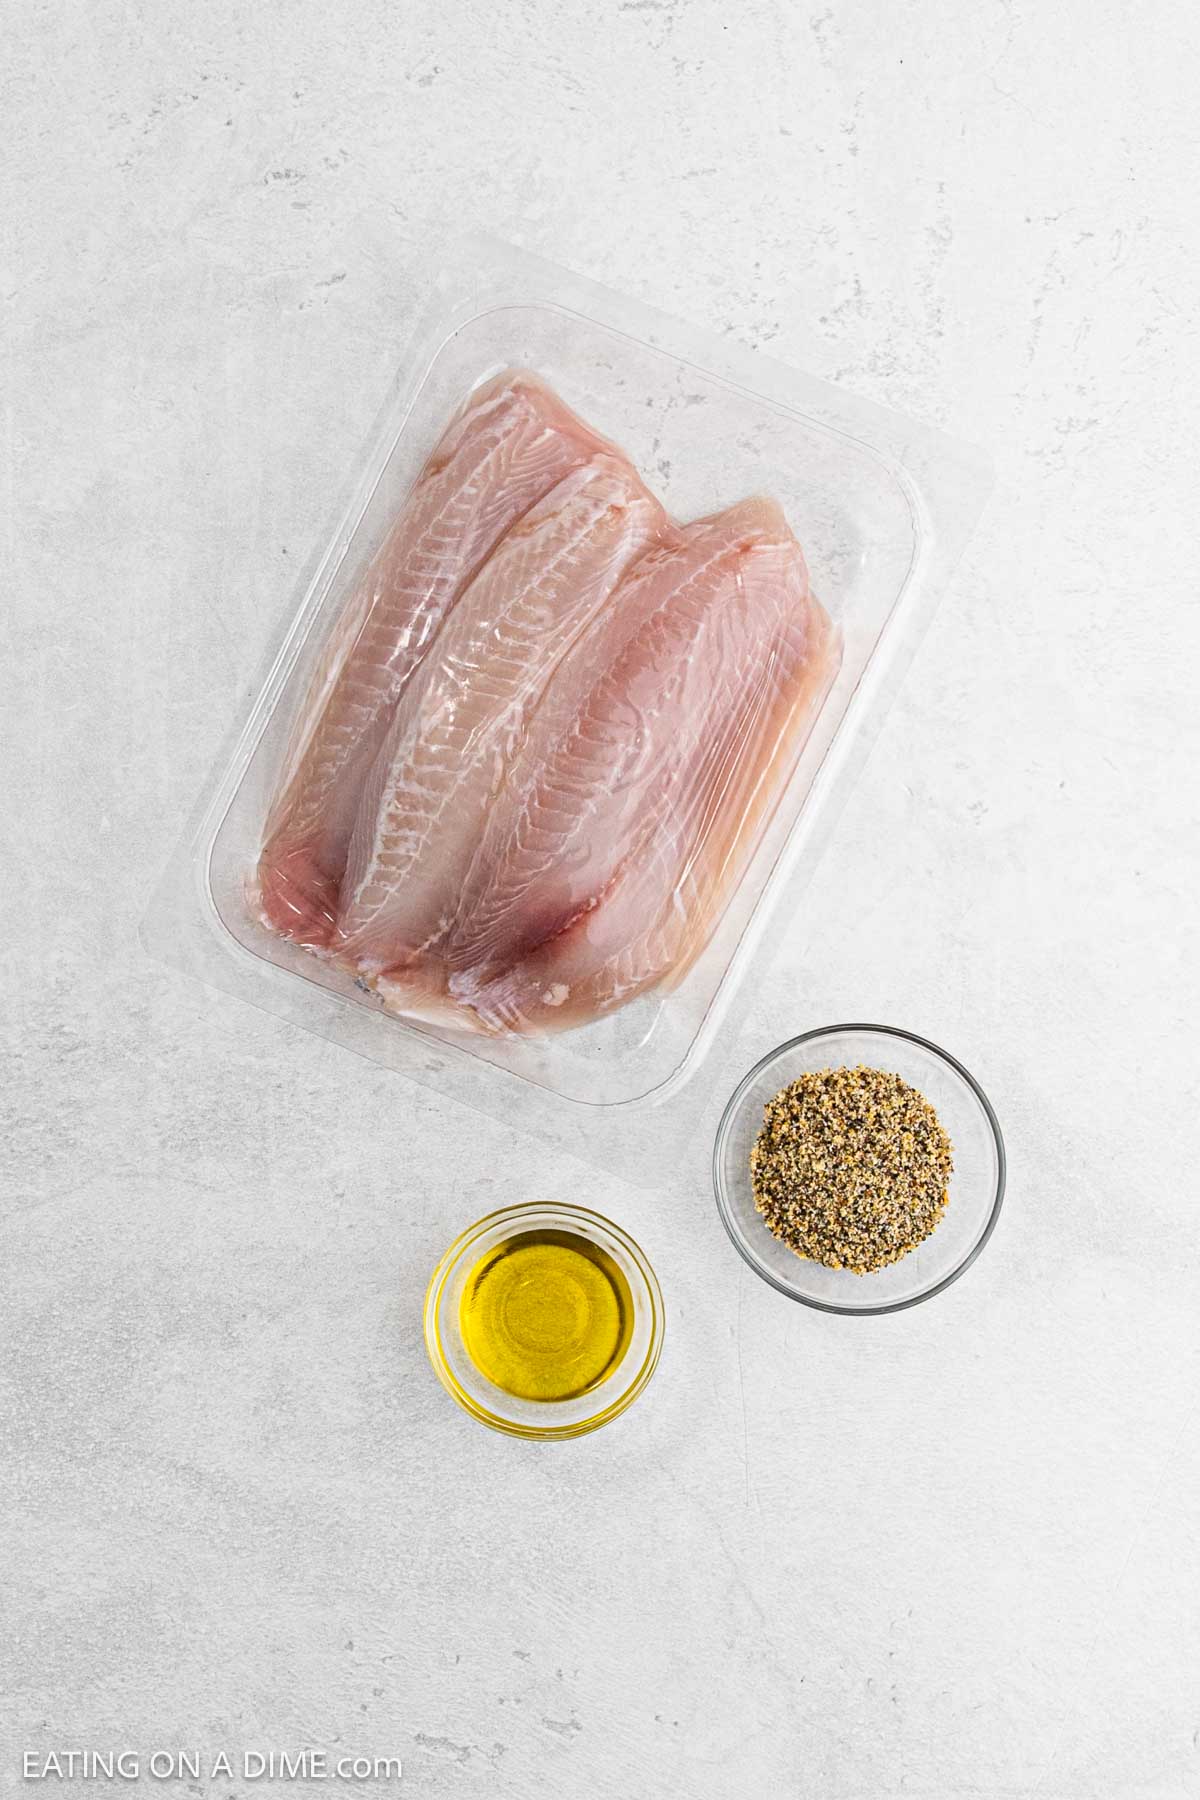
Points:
point(513, 441)
point(548, 733)
point(645, 779)
point(467, 709)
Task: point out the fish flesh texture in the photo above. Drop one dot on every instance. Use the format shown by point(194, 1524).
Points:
point(548, 732)
point(465, 713)
point(645, 780)
point(514, 440)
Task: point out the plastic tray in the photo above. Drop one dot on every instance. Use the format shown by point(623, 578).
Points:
point(882, 508)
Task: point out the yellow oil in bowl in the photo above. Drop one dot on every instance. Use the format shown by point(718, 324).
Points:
point(546, 1315)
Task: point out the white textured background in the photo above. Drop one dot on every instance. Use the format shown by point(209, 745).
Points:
point(950, 1553)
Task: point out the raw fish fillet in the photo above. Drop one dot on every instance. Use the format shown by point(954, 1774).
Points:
point(644, 782)
point(546, 736)
point(466, 710)
point(514, 440)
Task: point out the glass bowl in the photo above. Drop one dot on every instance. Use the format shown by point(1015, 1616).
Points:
point(976, 1185)
point(506, 1412)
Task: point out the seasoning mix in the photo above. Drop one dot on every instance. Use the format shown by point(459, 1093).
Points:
point(851, 1168)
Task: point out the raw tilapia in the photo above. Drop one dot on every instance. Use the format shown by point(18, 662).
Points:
point(547, 734)
point(645, 779)
point(514, 440)
point(466, 711)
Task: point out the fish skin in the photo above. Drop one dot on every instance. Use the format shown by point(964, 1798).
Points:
point(649, 775)
point(513, 441)
point(465, 712)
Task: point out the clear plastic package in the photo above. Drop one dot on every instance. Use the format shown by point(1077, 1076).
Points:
point(881, 507)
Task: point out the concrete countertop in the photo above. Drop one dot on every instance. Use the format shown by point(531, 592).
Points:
point(949, 1553)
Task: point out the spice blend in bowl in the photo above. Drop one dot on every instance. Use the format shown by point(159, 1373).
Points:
point(851, 1168)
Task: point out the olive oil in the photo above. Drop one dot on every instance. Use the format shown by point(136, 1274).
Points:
point(546, 1315)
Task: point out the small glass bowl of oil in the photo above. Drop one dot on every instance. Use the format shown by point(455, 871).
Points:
point(544, 1320)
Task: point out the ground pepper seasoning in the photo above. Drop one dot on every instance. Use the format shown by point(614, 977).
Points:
point(851, 1168)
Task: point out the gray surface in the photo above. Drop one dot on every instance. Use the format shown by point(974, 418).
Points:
point(949, 1553)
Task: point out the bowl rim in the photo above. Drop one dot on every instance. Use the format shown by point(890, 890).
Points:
point(449, 1260)
point(725, 1125)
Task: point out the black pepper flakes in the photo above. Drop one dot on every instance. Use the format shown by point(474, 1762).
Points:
point(851, 1168)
